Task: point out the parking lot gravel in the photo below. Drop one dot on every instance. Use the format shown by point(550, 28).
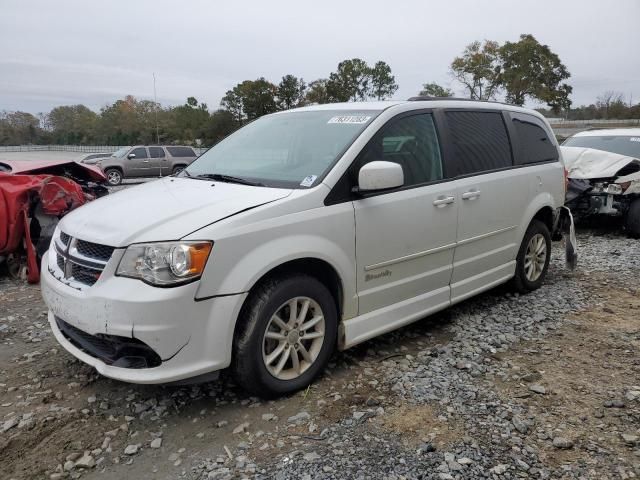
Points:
point(503, 386)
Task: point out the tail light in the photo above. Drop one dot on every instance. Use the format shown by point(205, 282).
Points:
point(566, 180)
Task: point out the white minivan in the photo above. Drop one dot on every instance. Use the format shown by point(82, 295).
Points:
point(305, 231)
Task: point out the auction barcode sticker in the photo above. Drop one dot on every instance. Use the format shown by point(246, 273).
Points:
point(358, 119)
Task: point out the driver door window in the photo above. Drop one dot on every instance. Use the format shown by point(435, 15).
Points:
point(411, 142)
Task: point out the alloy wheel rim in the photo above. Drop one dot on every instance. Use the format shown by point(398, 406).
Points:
point(535, 257)
point(293, 338)
point(113, 177)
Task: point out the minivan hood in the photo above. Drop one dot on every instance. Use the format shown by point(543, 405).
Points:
point(166, 209)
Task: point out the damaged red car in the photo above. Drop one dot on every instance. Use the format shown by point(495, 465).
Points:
point(34, 195)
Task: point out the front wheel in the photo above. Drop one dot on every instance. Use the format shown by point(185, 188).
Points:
point(286, 336)
point(114, 177)
point(533, 258)
point(632, 222)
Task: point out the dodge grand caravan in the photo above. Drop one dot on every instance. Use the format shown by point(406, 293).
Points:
point(305, 231)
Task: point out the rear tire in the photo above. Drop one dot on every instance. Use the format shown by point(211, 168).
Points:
point(533, 258)
point(114, 176)
point(632, 222)
point(276, 352)
point(177, 169)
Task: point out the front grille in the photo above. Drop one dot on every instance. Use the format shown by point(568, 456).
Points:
point(111, 349)
point(80, 261)
point(94, 250)
point(64, 238)
point(85, 275)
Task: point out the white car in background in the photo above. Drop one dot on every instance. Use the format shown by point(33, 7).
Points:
point(604, 175)
point(305, 231)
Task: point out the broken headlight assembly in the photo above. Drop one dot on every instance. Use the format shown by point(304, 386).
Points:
point(607, 188)
point(165, 264)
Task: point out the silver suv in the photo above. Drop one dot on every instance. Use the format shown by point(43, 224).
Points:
point(141, 161)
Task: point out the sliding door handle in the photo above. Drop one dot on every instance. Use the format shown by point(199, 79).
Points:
point(471, 194)
point(442, 201)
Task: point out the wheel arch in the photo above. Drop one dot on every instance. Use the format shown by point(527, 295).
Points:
point(315, 267)
point(546, 216)
point(541, 208)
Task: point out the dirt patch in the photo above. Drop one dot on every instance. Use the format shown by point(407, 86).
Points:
point(417, 424)
point(589, 369)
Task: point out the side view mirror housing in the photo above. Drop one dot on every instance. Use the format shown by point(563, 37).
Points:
point(380, 175)
point(131, 155)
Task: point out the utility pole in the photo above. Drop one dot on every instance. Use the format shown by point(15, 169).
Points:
point(155, 101)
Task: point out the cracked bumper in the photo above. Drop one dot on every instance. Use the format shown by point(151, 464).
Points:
point(192, 338)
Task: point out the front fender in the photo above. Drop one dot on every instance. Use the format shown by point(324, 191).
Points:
point(240, 260)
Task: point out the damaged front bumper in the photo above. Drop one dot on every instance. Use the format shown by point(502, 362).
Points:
point(607, 197)
point(138, 333)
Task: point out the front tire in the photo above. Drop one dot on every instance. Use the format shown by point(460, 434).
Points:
point(286, 335)
point(533, 258)
point(114, 176)
point(632, 222)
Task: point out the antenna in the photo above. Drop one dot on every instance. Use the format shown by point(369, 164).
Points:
point(155, 101)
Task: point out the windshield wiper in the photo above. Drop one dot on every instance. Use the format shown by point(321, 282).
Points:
point(228, 178)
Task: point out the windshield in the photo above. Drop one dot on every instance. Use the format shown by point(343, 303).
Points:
point(623, 145)
point(292, 150)
point(120, 152)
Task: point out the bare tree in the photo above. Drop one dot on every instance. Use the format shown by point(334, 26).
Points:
point(607, 100)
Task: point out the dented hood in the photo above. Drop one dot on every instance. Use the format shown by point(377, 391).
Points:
point(588, 163)
point(166, 209)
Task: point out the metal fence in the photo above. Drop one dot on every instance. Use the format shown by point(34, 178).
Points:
point(594, 123)
point(72, 148)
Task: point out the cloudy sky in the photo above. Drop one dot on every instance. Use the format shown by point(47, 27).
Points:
point(77, 51)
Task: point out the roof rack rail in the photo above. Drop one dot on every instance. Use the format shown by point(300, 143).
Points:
point(420, 98)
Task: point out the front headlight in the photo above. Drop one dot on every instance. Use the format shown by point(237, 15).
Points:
point(613, 189)
point(165, 264)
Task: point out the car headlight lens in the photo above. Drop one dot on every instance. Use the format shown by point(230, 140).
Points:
point(613, 189)
point(165, 264)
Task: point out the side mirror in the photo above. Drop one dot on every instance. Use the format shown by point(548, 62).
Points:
point(131, 155)
point(380, 176)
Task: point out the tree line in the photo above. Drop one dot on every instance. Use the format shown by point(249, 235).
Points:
point(515, 72)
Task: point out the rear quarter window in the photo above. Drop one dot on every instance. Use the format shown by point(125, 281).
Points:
point(534, 143)
point(479, 141)
point(181, 151)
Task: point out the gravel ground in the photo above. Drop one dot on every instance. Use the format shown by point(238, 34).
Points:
point(503, 386)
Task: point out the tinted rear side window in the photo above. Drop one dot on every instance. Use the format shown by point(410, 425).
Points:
point(534, 143)
point(156, 152)
point(181, 152)
point(479, 141)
